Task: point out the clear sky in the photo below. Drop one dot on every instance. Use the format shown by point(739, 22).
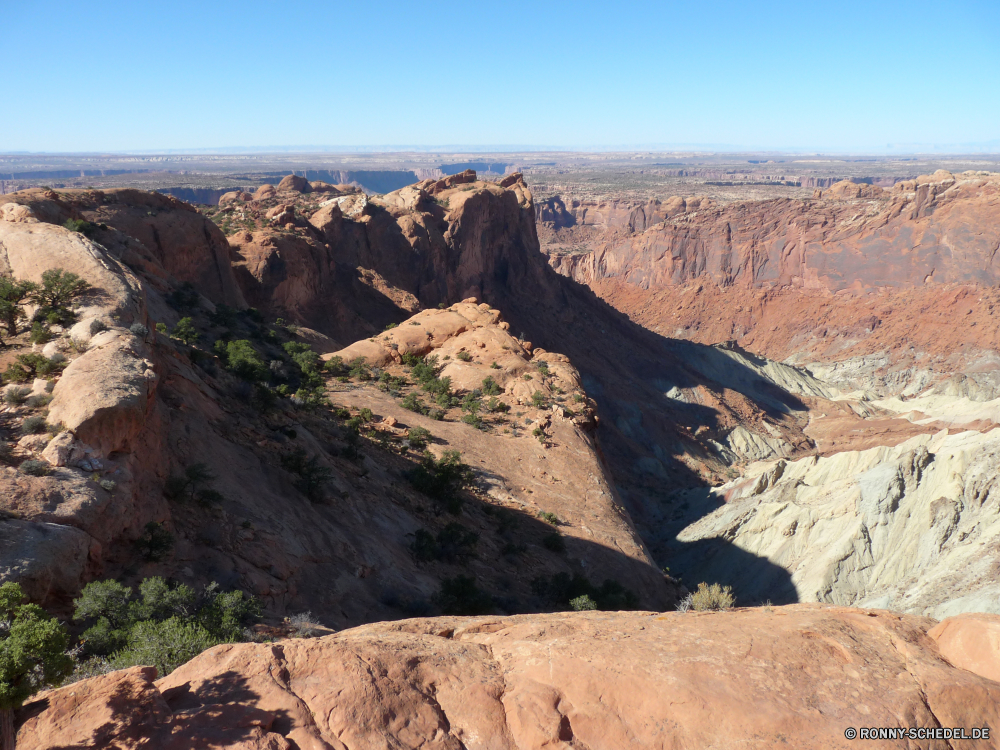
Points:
point(846, 75)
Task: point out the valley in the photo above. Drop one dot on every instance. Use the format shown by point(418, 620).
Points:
point(458, 398)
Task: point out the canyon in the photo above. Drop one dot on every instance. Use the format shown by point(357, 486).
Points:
point(796, 397)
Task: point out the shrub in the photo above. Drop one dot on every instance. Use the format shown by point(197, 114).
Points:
point(183, 298)
point(96, 326)
point(161, 328)
point(224, 316)
point(139, 330)
point(714, 597)
point(242, 360)
point(582, 603)
point(496, 405)
point(311, 476)
point(57, 291)
point(192, 484)
point(490, 387)
point(185, 331)
point(32, 653)
point(543, 369)
point(33, 425)
point(27, 367)
point(494, 366)
point(40, 334)
point(155, 541)
point(475, 421)
point(549, 518)
point(411, 402)
point(80, 226)
point(464, 356)
point(16, 395)
point(35, 468)
point(37, 402)
point(305, 359)
point(470, 402)
point(442, 479)
point(418, 437)
point(560, 589)
point(538, 400)
point(164, 626)
point(359, 369)
point(335, 366)
point(461, 596)
point(366, 415)
point(14, 295)
point(165, 645)
point(554, 542)
point(454, 542)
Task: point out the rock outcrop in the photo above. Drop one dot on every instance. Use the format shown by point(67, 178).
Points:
point(798, 675)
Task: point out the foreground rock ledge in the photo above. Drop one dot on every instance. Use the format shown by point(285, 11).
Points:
point(793, 676)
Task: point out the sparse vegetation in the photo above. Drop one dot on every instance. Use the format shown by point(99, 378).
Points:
point(453, 543)
point(16, 395)
point(33, 425)
point(193, 484)
point(712, 597)
point(185, 331)
point(560, 589)
point(14, 295)
point(442, 479)
point(311, 475)
point(35, 468)
point(165, 625)
point(462, 596)
point(464, 356)
point(554, 542)
point(155, 542)
point(32, 655)
point(55, 295)
point(490, 387)
point(27, 367)
point(418, 437)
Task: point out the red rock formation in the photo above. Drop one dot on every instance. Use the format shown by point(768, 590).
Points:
point(929, 230)
point(799, 676)
point(294, 183)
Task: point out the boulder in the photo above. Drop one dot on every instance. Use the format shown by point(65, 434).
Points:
point(122, 709)
point(49, 560)
point(462, 178)
point(264, 191)
point(294, 183)
point(323, 187)
point(104, 395)
point(971, 641)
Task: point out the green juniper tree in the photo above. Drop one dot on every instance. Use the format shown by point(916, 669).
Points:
point(32, 655)
point(14, 295)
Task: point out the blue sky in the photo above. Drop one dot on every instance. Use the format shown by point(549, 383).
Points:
point(847, 76)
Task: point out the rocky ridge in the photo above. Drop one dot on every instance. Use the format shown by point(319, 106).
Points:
point(797, 675)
